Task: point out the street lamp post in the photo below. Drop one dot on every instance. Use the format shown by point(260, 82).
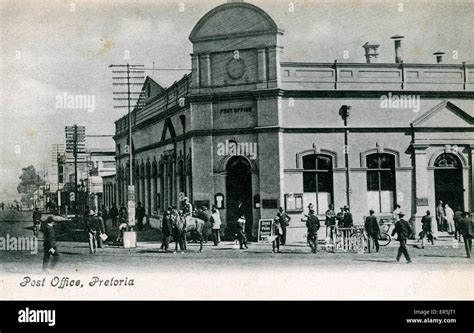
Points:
point(344, 113)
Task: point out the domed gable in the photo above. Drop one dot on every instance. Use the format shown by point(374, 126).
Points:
point(233, 20)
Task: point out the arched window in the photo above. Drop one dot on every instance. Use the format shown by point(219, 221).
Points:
point(381, 182)
point(318, 181)
point(447, 161)
point(448, 181)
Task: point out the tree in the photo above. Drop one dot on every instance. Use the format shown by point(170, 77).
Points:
point(29, 180)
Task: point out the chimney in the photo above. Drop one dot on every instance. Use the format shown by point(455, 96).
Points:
point(398, 48)
point(439, 56)
point(371, 53)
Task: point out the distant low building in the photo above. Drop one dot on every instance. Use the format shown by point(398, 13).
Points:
point(109, 190)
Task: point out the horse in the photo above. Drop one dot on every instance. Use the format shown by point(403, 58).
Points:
point(183, 225)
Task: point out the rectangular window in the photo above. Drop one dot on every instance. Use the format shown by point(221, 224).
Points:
point(317, 182)
point(381, 182)
point(309, 181)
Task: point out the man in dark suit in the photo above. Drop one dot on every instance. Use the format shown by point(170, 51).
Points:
point(113, 214)
point(139, 215)
point(241, 226)
point(166, 229)
point(403, 230)
point(348, 221)
point(313, 225)
point(457, 222)
point(49, 243)
point(36, 221)
point(284, 222)
point(373, 230)
point(92, 227)
point(467, 231)
point(426, 229)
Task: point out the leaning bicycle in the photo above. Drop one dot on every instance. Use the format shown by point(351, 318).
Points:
point(360, 239)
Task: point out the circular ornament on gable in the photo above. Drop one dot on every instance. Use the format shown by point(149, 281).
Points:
point(236, 68)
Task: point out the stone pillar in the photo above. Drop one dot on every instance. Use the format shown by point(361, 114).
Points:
point(146, 194)
point(205, 63)
point(421, 194)
point(142, 189)
point(196, 71)
point(274, 67)
point(262, 68)
point(153, 195)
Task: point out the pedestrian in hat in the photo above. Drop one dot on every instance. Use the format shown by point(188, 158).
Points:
point(49, 243)
point(330, 221)
point(397, 210)
point(36, 221)
point(101, 231)
point(403, 230)
point(348, 221)
point(277, 232)
point(241, 223)
point(140, 215)
point(113, 212)
point(467, 231)
point(215, 224)
point(373, 231)
point(166, 229)
point(92, 227)
point(440, 215)
point(285, 222)
point(313, 225)
point(426, 229)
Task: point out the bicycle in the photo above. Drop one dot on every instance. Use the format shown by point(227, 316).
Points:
point(358, 240)
point(359, 237)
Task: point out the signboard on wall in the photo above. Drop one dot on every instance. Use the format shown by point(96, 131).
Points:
point(422, 201)
point(269, 204)
point(219, 200)
point(264, 229)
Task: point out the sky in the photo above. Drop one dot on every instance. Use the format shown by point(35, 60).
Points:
point(50, 50)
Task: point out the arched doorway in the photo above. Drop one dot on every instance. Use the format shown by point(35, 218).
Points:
point(449, 182)
point(238, 188)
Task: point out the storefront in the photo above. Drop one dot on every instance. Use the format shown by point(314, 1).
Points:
point(244, 126)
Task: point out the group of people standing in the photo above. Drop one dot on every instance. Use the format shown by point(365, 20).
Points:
point(445, 218)
point(175, 224)
point(95, 226)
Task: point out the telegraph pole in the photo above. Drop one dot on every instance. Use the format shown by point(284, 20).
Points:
point(75, 169)
point(75, 144)
point(126, 74)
